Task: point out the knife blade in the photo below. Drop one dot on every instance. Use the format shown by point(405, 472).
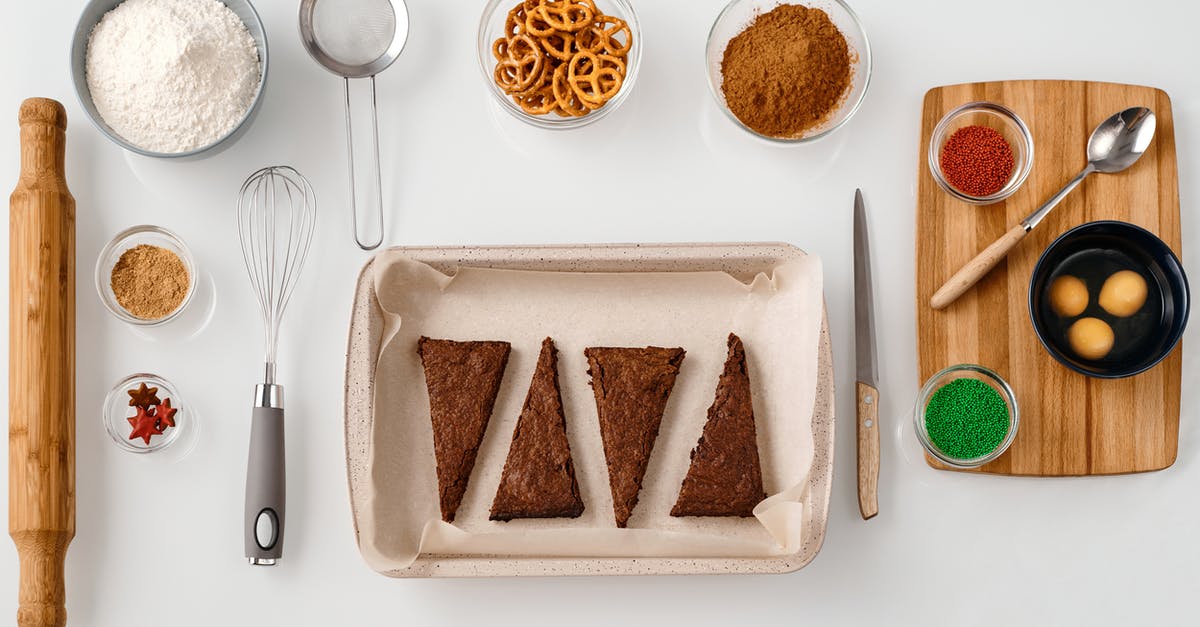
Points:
point(867, 367)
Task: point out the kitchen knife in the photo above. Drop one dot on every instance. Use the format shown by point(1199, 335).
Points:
point(866, 392)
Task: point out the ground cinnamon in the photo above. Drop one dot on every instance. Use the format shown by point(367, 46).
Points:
point(150, 282)
point(787, 71)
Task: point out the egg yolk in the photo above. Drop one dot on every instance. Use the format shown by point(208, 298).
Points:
point(1123, 293)
point(1068, 296)
point(1090, 338)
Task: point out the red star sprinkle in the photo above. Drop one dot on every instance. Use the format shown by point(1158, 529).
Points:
point(144, 397)
point(145, 425)
point(165, 414)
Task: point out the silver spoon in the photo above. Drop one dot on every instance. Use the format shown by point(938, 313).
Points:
point(1115, 145)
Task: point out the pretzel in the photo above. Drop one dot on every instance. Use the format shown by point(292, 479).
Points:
point(566, 15)
point(561, 56)
point(537, 26)
point(591, 81)
point(538, 102)
point(612, 62)
point(500, 49)
point(568, 101)
point(522, 68)
point(514, 24)
point(561, 46)
point(602, 36)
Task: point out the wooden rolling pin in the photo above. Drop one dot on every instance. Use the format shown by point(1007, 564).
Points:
point(41, 364)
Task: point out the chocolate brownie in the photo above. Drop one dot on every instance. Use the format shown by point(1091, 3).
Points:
point(725, 478)
point(463, 379)
point(631, 386)
point(539, 479)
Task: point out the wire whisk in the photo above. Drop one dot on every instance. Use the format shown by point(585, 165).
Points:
point(276, 214)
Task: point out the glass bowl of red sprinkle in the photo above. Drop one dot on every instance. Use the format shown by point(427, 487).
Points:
point(966, 416)
point(143, 414)
point(981, 153)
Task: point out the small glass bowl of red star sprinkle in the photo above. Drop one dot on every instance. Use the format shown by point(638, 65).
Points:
point(143, 414)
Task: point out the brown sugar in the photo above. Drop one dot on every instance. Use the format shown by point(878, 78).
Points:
point(150, 282)
point(787, 71)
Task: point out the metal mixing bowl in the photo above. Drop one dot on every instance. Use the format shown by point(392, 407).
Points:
point(95, 10)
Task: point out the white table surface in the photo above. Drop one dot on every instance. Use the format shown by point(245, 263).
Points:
point(160, 543)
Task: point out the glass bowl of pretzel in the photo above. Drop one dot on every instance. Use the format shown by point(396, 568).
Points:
point(559, 64)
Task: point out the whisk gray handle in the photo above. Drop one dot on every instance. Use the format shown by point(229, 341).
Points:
point(265, 487)
point(374, 241)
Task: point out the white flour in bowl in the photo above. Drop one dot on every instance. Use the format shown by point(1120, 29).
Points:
point(172, 76)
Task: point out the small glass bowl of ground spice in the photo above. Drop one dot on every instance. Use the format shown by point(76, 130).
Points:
point(788, 73)
point(146, 275)
point(981, 153)
point(966, 416)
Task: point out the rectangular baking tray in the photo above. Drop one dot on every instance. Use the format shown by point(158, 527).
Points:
point(742, 261)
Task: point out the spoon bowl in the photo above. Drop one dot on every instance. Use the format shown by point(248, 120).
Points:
point(1121, 140)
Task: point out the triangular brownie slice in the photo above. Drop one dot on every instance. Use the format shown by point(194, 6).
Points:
point(631, 387)
point(463, 379)
point(539, 478)
point(725, 478)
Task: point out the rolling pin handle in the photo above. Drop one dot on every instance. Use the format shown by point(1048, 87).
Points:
point(43, 594)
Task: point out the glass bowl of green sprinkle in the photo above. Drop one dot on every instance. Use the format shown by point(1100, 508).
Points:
point(966, 416)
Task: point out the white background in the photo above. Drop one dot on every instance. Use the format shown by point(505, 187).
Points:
point(160, 542)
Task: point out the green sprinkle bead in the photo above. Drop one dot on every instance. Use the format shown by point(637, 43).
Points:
point(966, 418)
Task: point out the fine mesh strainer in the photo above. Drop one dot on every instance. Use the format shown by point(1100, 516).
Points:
point(356, 39)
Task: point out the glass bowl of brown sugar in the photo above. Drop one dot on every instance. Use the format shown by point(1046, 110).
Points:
point(789, 73)
point(146, 275)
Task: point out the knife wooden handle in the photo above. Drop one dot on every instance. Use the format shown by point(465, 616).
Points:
point(977, 268)
point(868, 450)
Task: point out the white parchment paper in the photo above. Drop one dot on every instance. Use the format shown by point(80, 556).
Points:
point(778, 318)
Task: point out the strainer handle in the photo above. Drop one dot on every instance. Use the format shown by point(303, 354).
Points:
point(374, 242)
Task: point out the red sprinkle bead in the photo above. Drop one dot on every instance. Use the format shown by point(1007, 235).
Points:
point(977, 160)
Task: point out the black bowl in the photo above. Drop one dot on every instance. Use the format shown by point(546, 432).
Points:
point(1092, 252)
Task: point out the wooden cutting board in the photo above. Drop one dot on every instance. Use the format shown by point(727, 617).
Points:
point(1070, 424)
